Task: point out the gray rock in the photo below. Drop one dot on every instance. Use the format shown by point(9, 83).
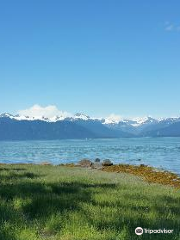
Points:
point(97, 160)
point(85, 163)
point(107, 162)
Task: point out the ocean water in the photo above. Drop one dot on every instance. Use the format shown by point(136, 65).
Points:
point(157, 152)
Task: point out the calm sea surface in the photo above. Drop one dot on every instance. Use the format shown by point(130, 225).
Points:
point(157, 152)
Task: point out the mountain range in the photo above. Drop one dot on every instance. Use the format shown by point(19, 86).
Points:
point(81, 126)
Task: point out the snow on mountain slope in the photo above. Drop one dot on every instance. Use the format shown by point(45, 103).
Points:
point(144, 120)
point(28, 118)
point(111, 121)
point(81, 116)
point(134, 122)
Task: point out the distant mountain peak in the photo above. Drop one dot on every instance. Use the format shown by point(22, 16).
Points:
point(111, 120)
point(81, 116)
point(6, 115)
point(64, 125)
point(143, 120)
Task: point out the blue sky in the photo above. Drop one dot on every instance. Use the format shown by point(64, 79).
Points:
point(93, 56)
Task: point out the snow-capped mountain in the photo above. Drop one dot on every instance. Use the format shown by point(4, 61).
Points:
point(21, 127)
point(58, 127)
point(141, 126)
point(81, 116)
point(134, 126)
point(134, 122)
point(77, 116)
point(28, 118)
point(6, 115)
point(145, 120)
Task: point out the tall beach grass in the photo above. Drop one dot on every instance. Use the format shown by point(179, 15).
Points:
point(61, 203)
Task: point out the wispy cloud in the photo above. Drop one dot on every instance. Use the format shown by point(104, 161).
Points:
point(178, 28)
point(39, 111)
point(169, 27)
point(172, 27)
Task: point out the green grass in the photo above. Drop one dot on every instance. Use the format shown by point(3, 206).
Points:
point(62, 203)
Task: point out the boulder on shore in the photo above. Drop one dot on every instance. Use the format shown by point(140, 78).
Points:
point(97, 160)
point(85, 163)
point(107, 162)
point(45, 163)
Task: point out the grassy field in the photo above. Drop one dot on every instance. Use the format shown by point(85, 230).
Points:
point(61, 203)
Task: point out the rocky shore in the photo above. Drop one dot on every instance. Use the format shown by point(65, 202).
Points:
point(147, 173)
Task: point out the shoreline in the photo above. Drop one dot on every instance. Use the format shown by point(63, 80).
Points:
point(147, 173)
